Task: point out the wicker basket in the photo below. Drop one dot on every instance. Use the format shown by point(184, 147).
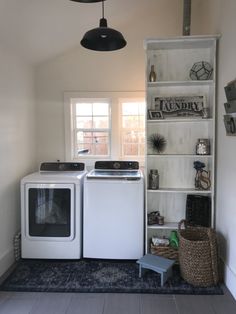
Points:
point(165, 251)
point(198, 255)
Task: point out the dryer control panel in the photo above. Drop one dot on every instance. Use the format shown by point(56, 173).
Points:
point(62, 166)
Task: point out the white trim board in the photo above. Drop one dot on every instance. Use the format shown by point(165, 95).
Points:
point(230, 280)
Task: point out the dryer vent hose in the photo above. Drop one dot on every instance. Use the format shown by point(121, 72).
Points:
point(186, 17)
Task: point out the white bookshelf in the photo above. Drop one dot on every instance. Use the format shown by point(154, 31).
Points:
point(172, 59)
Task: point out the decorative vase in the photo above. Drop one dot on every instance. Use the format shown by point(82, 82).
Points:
point(152, 75)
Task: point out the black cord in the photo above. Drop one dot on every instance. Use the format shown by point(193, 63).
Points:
point(103, 9)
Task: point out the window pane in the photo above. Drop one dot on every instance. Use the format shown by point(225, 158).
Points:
point(101, 140)
point(130, 149)
point(141, 137)
point(101, 122)
point(83, 109)
point(141, 121)
point(94, 116)
point(131, 122)
point(80, 137)
point(130, 137)
point(133, 108)
point(84, 149)
point(100, 149)
point(130, 108)
point(100, 109)
point(84, 137)
point(141, 149)
point(94, 143)
point(84, 122)
point(100, 137)
point(142, 109)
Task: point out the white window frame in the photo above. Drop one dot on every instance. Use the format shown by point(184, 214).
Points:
point(115, 139)
point(108, 130)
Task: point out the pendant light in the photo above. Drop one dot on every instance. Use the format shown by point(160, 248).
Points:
point(103, 38)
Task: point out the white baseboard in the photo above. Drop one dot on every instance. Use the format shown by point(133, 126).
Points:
point(6, 261)
point(230, 280)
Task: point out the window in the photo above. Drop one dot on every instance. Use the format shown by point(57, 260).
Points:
point(132, 128)
point(104, 125)
point(91, 121)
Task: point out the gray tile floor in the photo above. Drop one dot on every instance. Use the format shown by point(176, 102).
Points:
point(84, 303)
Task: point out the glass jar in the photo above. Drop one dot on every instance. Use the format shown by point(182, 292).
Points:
point(161, 220)
point(203, 146)
point(153, 179)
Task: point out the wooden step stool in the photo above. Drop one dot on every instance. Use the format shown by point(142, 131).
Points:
point(161, 265)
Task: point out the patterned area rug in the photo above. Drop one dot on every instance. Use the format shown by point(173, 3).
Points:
point(95, 276)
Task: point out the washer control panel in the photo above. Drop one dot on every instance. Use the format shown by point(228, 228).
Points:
point(117, 165)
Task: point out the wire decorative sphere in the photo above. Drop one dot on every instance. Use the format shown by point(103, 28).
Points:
point(201, 71)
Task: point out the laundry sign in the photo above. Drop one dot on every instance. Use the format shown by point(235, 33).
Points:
point(180, 106)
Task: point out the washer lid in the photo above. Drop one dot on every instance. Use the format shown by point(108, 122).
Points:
point(115, 174)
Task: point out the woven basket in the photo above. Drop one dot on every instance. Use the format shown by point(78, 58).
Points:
point(198, 255)
point(165, 251)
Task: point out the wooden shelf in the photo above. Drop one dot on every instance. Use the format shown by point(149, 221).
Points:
point(180, 190)
point(168, 225)
point(180, 83)
point(178, 155)
point(179, 120)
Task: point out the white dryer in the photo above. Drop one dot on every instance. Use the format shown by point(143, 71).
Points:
point(51, 211)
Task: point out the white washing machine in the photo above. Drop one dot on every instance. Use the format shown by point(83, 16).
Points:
point(51, 211)
point(114, 211)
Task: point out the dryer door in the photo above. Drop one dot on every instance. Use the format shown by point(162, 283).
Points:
point(49, 211)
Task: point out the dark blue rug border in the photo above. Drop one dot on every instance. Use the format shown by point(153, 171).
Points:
point(78, 276)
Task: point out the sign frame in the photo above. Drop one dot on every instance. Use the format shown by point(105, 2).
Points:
point(189, 106)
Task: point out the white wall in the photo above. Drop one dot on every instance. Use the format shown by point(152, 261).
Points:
point(84, 70)
point(17, 145)
point(226, 152)
point(219, 16)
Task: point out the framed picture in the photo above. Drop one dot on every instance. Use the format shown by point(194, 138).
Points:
point(154, 114)
point(180, 106)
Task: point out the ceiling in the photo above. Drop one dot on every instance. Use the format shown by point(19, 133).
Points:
point(39, 30)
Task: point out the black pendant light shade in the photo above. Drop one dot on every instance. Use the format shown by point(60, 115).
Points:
point(103, 38)
point(87, 1)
